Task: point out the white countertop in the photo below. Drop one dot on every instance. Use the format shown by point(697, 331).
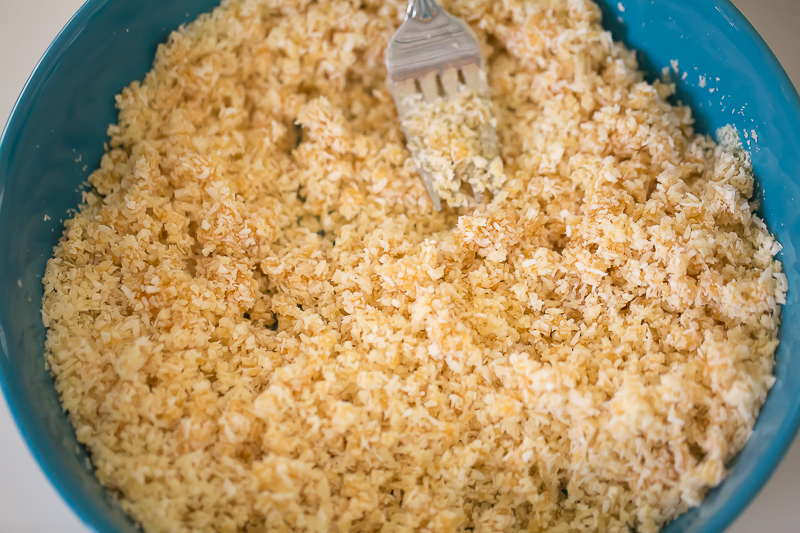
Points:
point(28, 504)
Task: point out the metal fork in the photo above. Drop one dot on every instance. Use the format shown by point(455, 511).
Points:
point(427, 52)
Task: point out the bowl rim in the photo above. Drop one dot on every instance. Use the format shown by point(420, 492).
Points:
point(62, 481)
point(29, 95)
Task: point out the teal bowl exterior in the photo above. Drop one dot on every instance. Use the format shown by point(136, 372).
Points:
point(55, 137)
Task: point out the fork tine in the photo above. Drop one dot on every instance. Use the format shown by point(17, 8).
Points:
point(475, 78)
point(476, 194)
point(489, 146)
point(428, 181)
point(450, 82)
point(401, 90)
point(429, 86)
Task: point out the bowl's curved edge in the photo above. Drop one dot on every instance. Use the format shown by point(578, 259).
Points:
point(29, 94)
point(786, 433)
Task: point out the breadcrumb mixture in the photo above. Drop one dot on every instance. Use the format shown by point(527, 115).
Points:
point(257, 322)
point(453, 140)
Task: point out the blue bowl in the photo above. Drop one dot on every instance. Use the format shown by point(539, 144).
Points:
point(55, 137)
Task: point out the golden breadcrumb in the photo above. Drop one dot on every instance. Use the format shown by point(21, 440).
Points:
point(258, 323)
point(453, 140)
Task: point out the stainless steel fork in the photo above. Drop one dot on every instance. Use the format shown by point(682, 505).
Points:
point(432, 49)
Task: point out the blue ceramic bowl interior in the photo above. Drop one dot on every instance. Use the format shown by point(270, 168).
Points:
point(55, 137)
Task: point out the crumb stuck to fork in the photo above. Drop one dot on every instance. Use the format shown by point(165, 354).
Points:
point(451, 139)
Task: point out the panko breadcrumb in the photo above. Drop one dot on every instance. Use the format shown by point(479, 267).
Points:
point(453, 140)
point(258, 323)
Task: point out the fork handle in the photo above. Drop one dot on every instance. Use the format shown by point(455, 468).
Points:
point(423, 10)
